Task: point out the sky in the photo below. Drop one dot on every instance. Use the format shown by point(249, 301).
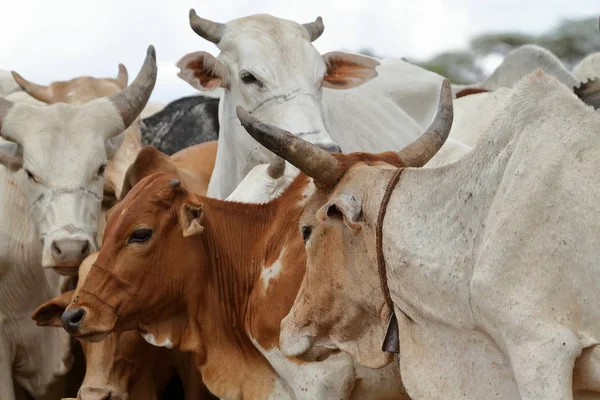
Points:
point(61, 39)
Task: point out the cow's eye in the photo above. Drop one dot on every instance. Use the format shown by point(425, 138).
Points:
point(140, 235)
point(306, 231)
point(248, 78)
point(31, 176)
point(101, 170)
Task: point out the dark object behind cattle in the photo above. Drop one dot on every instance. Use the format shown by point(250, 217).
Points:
point(182, 123)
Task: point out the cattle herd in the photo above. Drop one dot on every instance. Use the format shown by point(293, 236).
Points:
point(364, 229)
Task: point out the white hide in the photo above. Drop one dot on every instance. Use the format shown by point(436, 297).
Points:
point(495, 258)
point(588, 68)
point(522, 61)
point(43, 353)
point(63, 148)
point(389, 111)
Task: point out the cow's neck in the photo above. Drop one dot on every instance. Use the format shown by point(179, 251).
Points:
point(433, 227)
point(236, 309)
point(24, 284)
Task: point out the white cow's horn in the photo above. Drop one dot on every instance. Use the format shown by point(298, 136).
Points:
point(419, 152)
point(131, 101)
point(314, 29)
point(310, 159)
point(209, 30)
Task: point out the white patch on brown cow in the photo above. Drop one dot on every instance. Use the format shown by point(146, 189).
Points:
point(148, 337)
point(271, 272)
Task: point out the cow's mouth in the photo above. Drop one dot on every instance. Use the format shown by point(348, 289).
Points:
point(92, 337)
point(65, 270)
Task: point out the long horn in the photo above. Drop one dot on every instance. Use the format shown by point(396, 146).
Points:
point(314, 29)
point(132, 100)
point(310, 159)
point(209, 30)
point(40, 92)
point(123, 76)
point(419, 152)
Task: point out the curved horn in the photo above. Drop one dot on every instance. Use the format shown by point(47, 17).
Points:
point(123, 76)
point(276, 169)
point(132, 100)
point(310, 159)
point(40, 92)
point(314, 29)
point(209, 30)
point(419, 152)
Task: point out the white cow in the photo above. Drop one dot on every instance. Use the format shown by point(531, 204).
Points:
point(588, 68)
point(520, 62)
point(50, 201)
point(492, 261)
point(269, 66)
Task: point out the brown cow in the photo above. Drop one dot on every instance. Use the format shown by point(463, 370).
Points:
point(215, 278)
point(123, 365)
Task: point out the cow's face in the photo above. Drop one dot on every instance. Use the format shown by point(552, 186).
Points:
point(145, 262)
point(62, 156)
point(340, 304)
point(113, 365)
point(269, 66)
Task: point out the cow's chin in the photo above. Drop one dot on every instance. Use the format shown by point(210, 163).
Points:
point(367, 352)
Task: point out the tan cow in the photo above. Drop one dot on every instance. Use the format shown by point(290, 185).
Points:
point(123, 366)
point(215, 278)
point(491, 262)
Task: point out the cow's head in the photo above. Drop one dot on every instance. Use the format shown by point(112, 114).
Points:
point(114, 365)
point(62, 163)
point(340, 303)
point(269, 66)
point(154, 225)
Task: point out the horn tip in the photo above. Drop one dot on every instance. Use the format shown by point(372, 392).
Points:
point(174, 183)
point(151, 52)
point(242, 114)
point(192, 13)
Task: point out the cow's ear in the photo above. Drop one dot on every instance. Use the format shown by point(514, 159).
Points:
point(191, 217)
point(11, 155)
point(203, 71)
point(345, 70)
point(348, 207)
point(50, 313)
point(149, 161)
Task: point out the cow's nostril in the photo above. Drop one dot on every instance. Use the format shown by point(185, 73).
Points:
point(71, 319)
point(56, 249)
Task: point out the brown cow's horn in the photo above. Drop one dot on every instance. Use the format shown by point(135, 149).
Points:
point(419, 152)
point(277, 168)
point(209, 30)
point(310, 159)
point(39, 92)
point(132, 100)
point(174, 183)
point(314, 29)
